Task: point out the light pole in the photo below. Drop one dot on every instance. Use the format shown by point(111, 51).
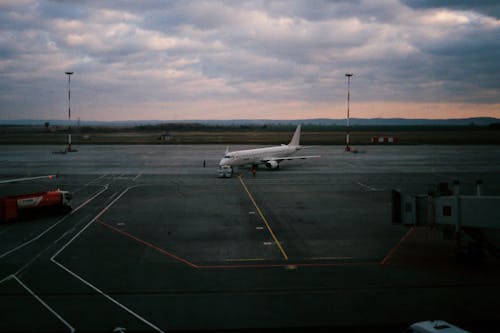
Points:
point(348, 127)
point(69, 149)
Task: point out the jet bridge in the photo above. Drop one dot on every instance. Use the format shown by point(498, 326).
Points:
point(464, 218)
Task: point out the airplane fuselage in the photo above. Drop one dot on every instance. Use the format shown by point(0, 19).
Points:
point(257, 156)
point(271, 157)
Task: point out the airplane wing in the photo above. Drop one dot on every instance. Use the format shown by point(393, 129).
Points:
point(17, 180)
point(288, 158)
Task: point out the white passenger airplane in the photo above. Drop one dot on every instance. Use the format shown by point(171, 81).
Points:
point(271, 157)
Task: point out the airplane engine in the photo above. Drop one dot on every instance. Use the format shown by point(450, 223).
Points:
point(272, 165)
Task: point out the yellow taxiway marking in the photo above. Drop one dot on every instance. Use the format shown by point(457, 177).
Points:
point(250, 259)
point(331, 258)
point(263, 218)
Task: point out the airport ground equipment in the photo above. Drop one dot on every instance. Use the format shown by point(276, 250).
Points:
point(385, 139)
point(225, 171)
point(434, 326)
point(34, 204)
point(464, 218)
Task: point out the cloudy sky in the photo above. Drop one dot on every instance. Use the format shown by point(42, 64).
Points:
point(174, 60)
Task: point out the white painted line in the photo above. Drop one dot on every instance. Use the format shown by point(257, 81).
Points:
point(95, 180)
point(110, 198)
point(331, 258)
point(92, 221)
point(135, 178)
point(54, 225)
point(87, 184)
point(7, 278)
point(88, 283)
point(90, 199)
point(107, 296)
point(71, 328)
point(366, 186)
point(259, 228)
point(64, 235)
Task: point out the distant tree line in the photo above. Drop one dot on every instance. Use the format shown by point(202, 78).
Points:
point(306, 127)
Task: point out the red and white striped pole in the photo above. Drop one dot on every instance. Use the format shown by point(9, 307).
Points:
point(348, 127)
point(69, 110)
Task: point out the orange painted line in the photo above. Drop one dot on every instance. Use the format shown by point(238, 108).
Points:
point(287, 265)
point(189, 263)
point(156, 248)
point(396, 247)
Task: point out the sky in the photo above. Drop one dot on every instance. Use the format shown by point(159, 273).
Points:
point(185, 60)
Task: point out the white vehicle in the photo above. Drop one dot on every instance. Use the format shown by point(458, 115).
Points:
point(271, 157)
point(225, 171)
point(434, 326)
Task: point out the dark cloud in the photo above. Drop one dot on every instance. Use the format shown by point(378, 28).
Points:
point(150, 52)
point(487, 7)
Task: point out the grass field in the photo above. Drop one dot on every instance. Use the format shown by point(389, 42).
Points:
point(449, 136)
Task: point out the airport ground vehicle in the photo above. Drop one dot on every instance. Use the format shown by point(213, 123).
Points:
point(14, 207)
point(225, 171)
point(434, 326)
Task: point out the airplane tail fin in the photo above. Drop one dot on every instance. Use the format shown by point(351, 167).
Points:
point(227, 149)
point(296, 138)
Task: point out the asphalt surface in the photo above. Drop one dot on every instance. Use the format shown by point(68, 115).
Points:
point(156, 242)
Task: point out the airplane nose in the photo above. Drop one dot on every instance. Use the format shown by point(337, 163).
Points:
point(223, 162)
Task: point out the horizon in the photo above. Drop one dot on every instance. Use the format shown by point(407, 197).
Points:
point(196, 60)
point(493, 119)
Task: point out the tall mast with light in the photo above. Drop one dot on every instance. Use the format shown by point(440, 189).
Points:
point(348, 127)
point(69, 149)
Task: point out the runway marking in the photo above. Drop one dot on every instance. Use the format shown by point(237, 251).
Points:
point(65, 234)
point(90, 199)
point(93, 220)
point(396, 247)
point(7, 278)
point(71, 328)
point(55, 224)
point(96, 218)
point(87, 184)
point(367, 187)
point(263, 218)
point(154, 247)
point(243, 260)
point(135, 178)
point(106, 296)
point(227, 266)
point(331, 258)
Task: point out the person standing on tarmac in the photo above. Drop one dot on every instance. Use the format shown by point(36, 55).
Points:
point(254, 170)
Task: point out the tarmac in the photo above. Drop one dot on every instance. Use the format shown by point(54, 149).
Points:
point(156, 242)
